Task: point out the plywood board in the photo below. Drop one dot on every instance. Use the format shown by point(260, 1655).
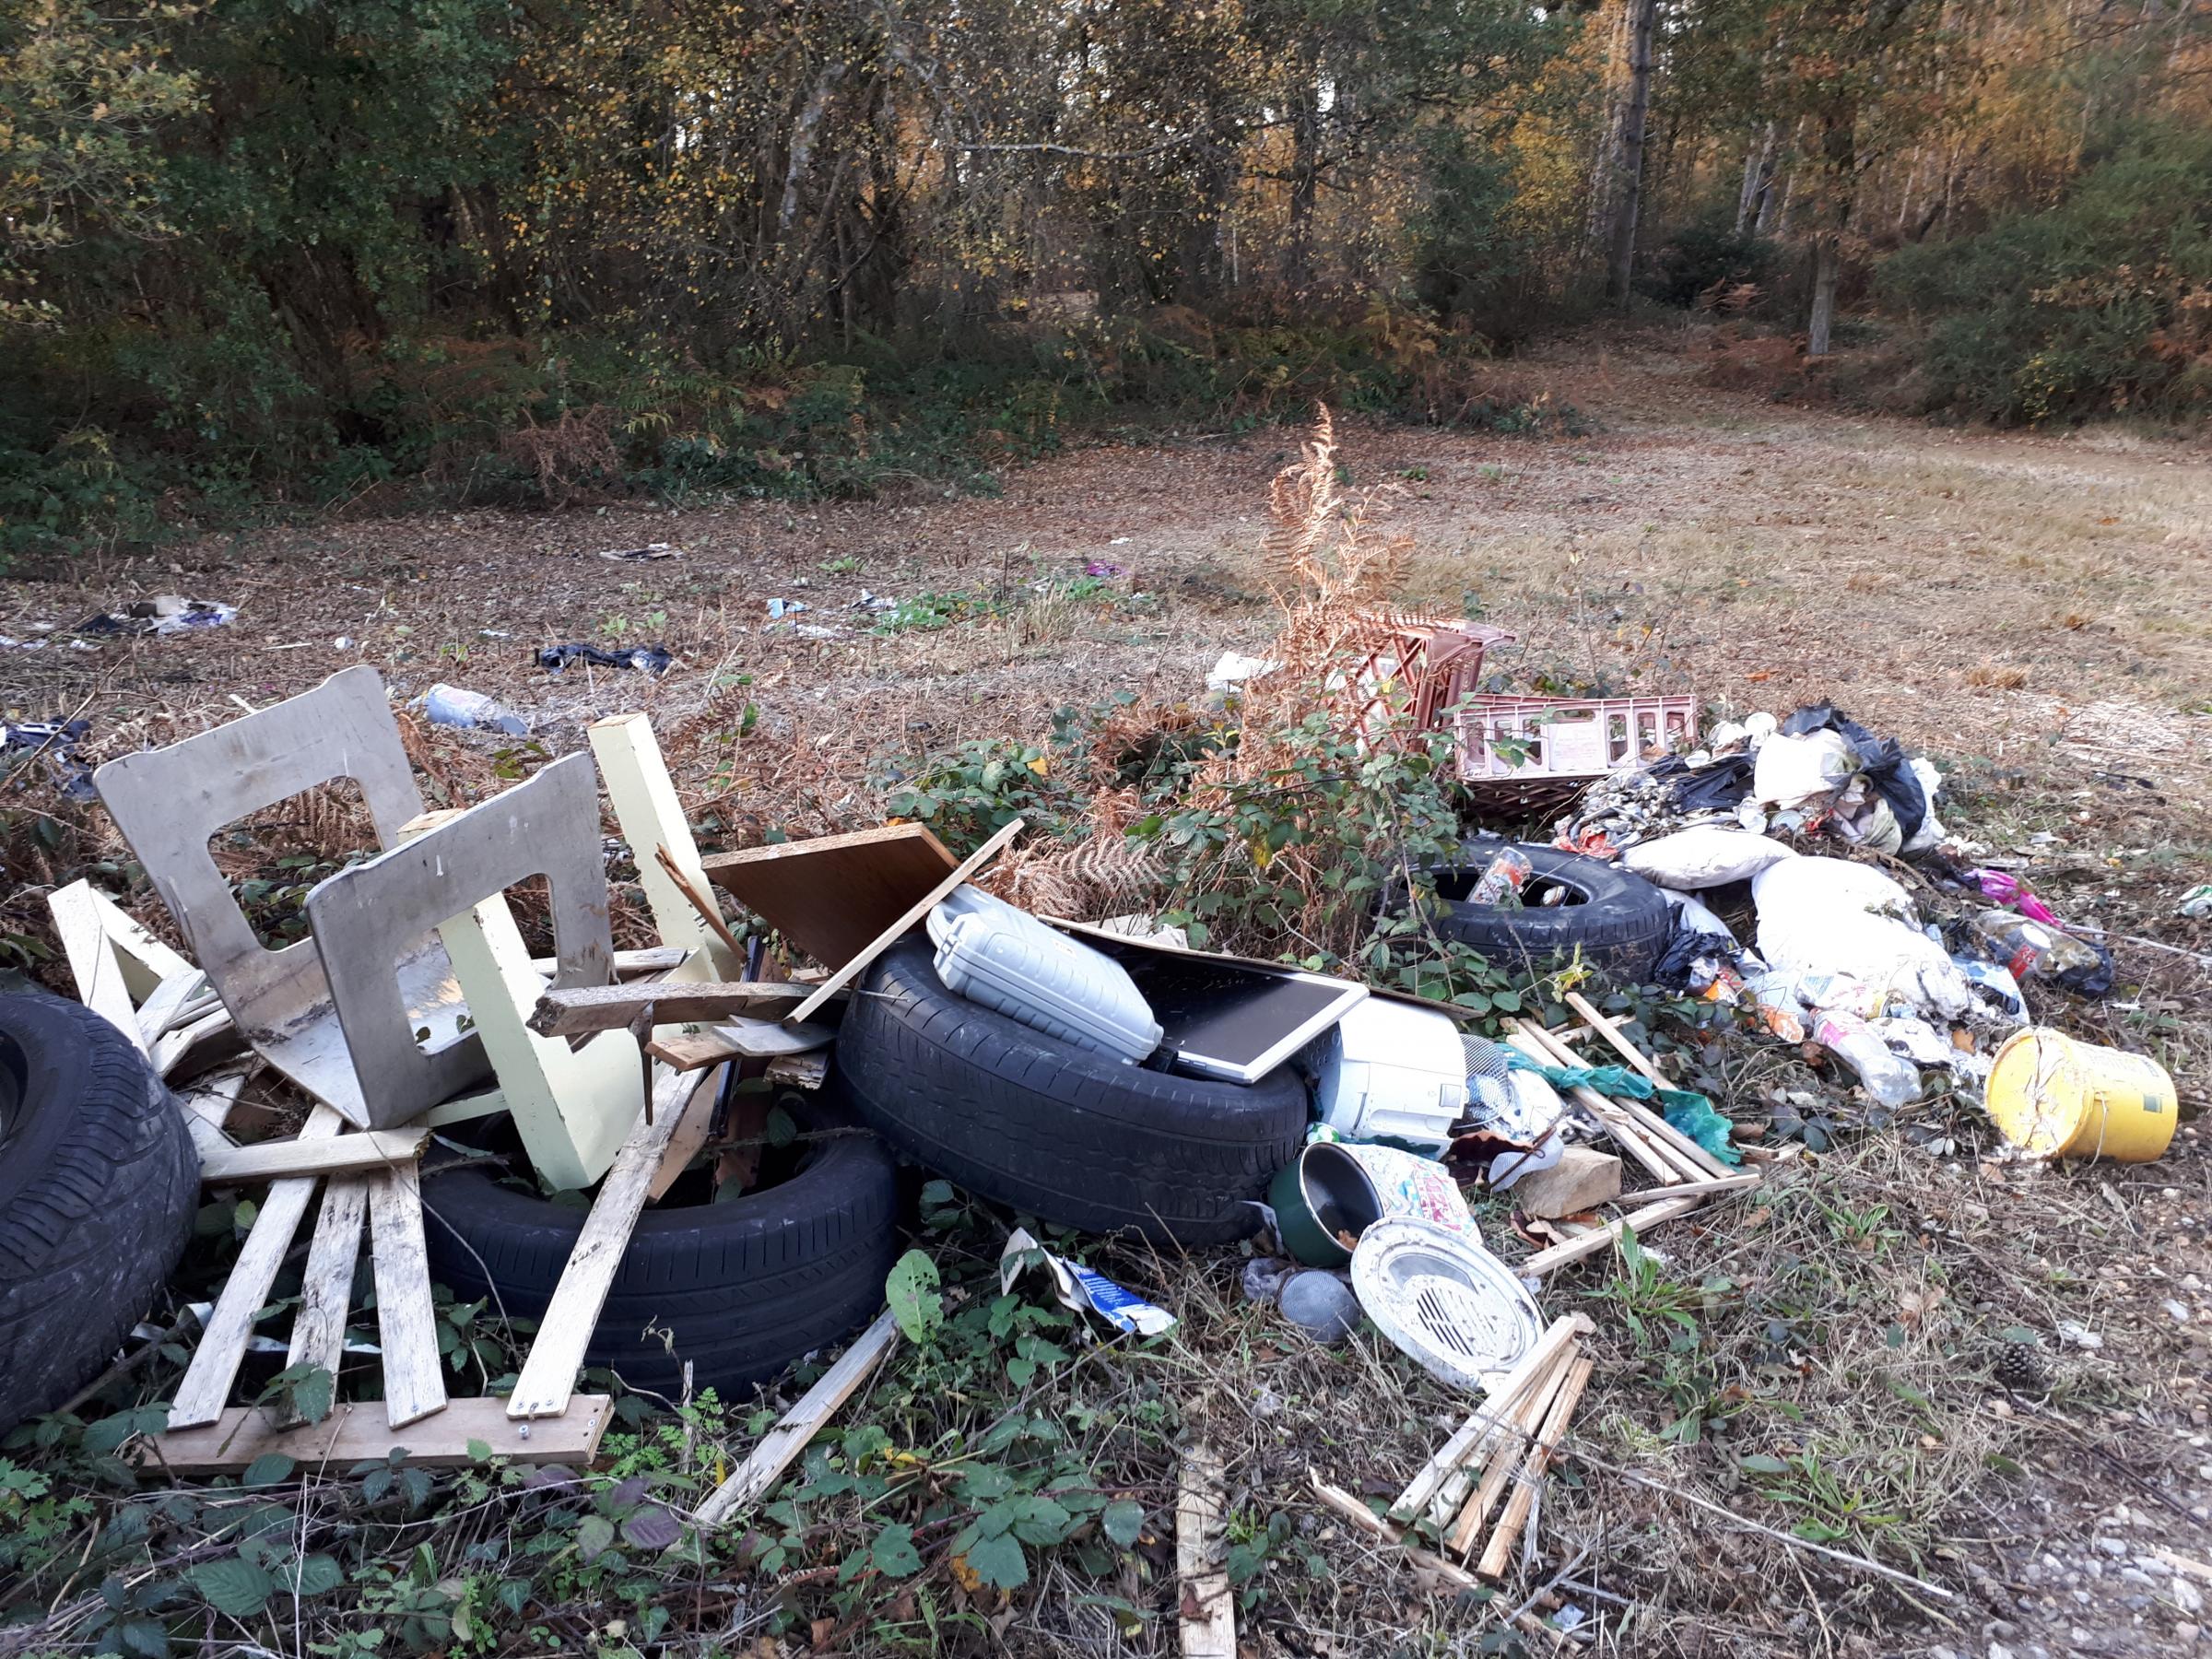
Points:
point(829, 896)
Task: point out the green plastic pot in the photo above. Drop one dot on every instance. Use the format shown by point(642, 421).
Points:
point(1321, 1194)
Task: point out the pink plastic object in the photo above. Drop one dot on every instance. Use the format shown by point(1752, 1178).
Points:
point(2009, 889)
point(1569, 738)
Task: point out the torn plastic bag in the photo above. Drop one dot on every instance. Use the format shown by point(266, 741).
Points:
point(1081, 1290)
point(452, 706)
point(1828, 915)
point(652, 659)
point(1879, 758)
point(1689, 912)
point(1707, 855)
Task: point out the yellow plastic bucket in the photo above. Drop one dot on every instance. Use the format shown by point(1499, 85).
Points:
point(2057, 1098)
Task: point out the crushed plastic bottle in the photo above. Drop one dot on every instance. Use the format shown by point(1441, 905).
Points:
point(1994, 985)
point(2007, 937)
point(1890, 1078)
point(1502, 882)
point(471, 711)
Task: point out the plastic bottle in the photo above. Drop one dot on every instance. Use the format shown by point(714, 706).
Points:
point(2008, 937)
point(1890, 1078)
point(1508, 872)
point(452, 706)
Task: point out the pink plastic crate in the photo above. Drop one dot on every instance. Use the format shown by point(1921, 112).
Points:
point(1571, 738)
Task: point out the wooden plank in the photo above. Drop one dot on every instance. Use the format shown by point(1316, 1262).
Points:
point(651, 820)
point(1611, 1032)
point(173, 999)
point(353, 1434)
point(1466, 1523)
point(1341, 1502)
point(1671, 1140)
point(1704, 1189)
point(549, 1375)
point(1207, 1610)
point(206, 1387)
point(1500, 1547)
point(406, 1319)
point(799, 1071)
point(337, 1155)
point(83, 910)
point(693, 1053)
point(93, 962)
point(465, 1110)
point(612, 1008)
point(908, 920)
point(1656, 1161)
point(780, 1447)
point(832, 894)
point(326, 1287)
point(1483, 1425)
point(207, 1104)
point(168, 1051)
point(1603, 1238)
point(690, 1136)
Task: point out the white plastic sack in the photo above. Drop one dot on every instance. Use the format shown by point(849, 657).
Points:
point(1828, 915)
point(1688, 913)
point(1791, 770)
point(1234, 669)
point(1709, 855)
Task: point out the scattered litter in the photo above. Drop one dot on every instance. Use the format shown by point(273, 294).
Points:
point(780, 609)
point(1082, 1290)
point(649, 551)
point(163, 614)
point(52, 744)
point(2196, 903)
point(874, 601)
point(1320, 1304)
point(652, 659)
point(1234, 669)
point(452, 706)
point(1689, 1115)
point(1098, 567)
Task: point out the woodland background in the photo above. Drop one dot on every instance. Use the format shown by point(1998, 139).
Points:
point(283, 256)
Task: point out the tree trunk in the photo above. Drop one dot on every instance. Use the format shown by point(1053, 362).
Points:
point(1305, 169)
point(1827, 265)
point(1620, 239)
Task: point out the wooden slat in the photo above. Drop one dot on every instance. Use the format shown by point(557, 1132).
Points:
point(628, 964)
point(353, 1434)
point(207, 1104)
point(1341, 1503)
point(651, 820)
point(1466, 1523)
point(614, 1008)
point(1603, 1238)
point(326, 1287)
point(690, 1136)
point(406, 1319)
point(1500, 1549)
point(100, 986)
point(693, 1053)
point(1206, 1607)
point(1483, 1424)
point(169, 1004)
point(549, 1375)
point(832, 894)
point(798, 1071)
point(1698, 1161)
point(1611, 1032)
point(336, 1155)
point(780, 1447)
point(910, 919)
point(1656, 1160)
point(167, 1052)
point(206, 1387)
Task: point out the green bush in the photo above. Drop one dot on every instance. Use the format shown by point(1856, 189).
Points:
point(2100, 305)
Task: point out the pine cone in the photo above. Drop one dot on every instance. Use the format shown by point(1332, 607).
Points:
point(2020, 1368)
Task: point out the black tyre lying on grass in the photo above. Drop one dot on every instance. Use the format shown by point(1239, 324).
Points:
point(1056, 1131)
point(743, 1288)
point(98, 1184)
point(1619, 920)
